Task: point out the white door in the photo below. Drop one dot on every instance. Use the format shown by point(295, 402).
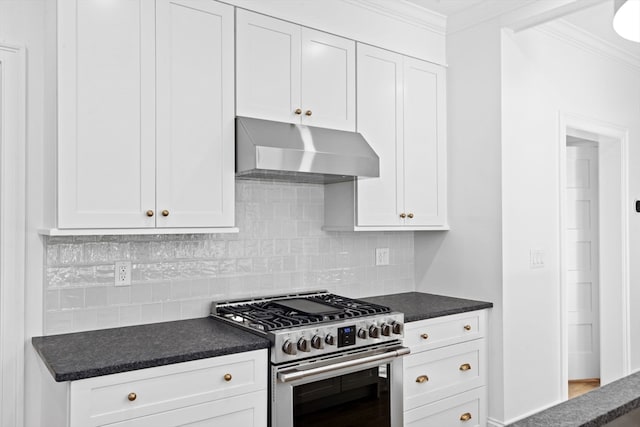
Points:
point(424, 157)
point(328, 81)
point(268, 68)
point(195, 111)
point(106, 120)
point(380, 122)
point(582, 261)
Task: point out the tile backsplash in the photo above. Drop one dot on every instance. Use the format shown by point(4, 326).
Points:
point(280, 248)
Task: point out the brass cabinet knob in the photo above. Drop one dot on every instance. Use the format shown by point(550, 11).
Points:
point(465, 367)
point(403, 215)
point(165, 213)
point(410, 215)
point(132, 396)
point(424, 336)
point(149, 212)
point(298, 111)
point(465, 417)
point(467, 327)
point(422, 379)
point(308, 113)
point(227, 377)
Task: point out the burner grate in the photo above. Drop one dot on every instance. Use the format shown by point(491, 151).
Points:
point(269, 315)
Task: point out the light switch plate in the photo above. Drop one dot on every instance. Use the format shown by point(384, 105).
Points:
point(536, 258)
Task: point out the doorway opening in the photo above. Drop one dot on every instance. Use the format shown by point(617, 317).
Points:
point(582, 278)
point(594, 253)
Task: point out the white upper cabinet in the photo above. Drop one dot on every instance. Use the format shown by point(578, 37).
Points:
point(424, 157)
point(145, 114)
point(293, 74)
point(106, 119)
point(195, 112)
point(402, 114)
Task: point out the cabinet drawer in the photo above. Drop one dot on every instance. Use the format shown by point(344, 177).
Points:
point(463, 410)
point(440, 373)
point(110, 398)
point(447, 330)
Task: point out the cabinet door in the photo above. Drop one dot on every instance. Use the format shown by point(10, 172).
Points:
point(106, 120)
point(328, 80)
point(424, 156)
point(195, 138)
point(248, 410)
point(268, 68)
point(380, 114)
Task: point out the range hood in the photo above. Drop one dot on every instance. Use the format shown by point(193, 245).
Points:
point(297, 153)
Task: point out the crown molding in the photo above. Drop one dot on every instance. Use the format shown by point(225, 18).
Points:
point(406, 12)
point(582, 39)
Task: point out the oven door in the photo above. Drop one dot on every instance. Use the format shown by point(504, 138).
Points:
point(360, 388)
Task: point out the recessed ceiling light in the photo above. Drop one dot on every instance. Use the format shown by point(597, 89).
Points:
point(626, 19)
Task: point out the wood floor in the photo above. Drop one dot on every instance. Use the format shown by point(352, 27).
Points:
point(578, 387)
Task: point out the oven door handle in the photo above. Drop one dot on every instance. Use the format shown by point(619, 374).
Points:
point(296, 375)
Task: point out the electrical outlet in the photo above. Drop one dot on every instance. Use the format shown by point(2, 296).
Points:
point(382, 256)
point(123, 273)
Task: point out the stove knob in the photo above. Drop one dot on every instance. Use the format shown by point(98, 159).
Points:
point(316, 342)
point(374, 331)
point(362, 334)
point(289, 348)
point(330, 339)
point(303, 345)
point(386, 329)
point(397, 328)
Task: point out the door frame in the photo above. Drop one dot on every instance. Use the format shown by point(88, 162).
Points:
point(613, 154)
point(12, 233)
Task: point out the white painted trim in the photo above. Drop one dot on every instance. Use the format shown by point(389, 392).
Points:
point(133, 231)
point(406, 12)
point(588, 42)
point(596, 130)
point(492, 422)
point(12, 233)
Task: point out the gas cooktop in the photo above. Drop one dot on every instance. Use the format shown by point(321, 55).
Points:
point(314, 323)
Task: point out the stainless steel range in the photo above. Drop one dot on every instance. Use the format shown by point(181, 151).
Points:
point(333, 359)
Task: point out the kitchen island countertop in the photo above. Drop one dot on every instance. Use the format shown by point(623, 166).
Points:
point(419, 305)
point(108, 351)
point(593, 409)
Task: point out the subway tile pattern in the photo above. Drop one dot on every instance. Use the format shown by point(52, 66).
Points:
point(281, 248)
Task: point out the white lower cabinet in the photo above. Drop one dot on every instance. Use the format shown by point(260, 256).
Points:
point(445, 376)
point(222, 391)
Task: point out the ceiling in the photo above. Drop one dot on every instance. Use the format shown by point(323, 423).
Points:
point(595, 19)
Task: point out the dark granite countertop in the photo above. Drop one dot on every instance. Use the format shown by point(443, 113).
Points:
point(593, 409)
point(108, 351)
point(419, 305)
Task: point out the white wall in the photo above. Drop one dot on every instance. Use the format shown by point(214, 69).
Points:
point(542, 77)
point(505, 96)
point(467, 261)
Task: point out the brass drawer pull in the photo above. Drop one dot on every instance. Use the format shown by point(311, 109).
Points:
point(467, 327)
point(424, 336)
point(465, 367)
point(298, 111)
point(403, 215)
point(132, 396)
point(410, 215)
point(465, 417)
point(422, 379)
point(165, 213)
point(308, 113)
point(149, 212)
point(227, 377)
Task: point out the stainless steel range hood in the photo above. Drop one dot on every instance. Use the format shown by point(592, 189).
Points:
point(297, 153)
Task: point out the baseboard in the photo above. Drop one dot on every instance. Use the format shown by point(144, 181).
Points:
point(492, 422)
